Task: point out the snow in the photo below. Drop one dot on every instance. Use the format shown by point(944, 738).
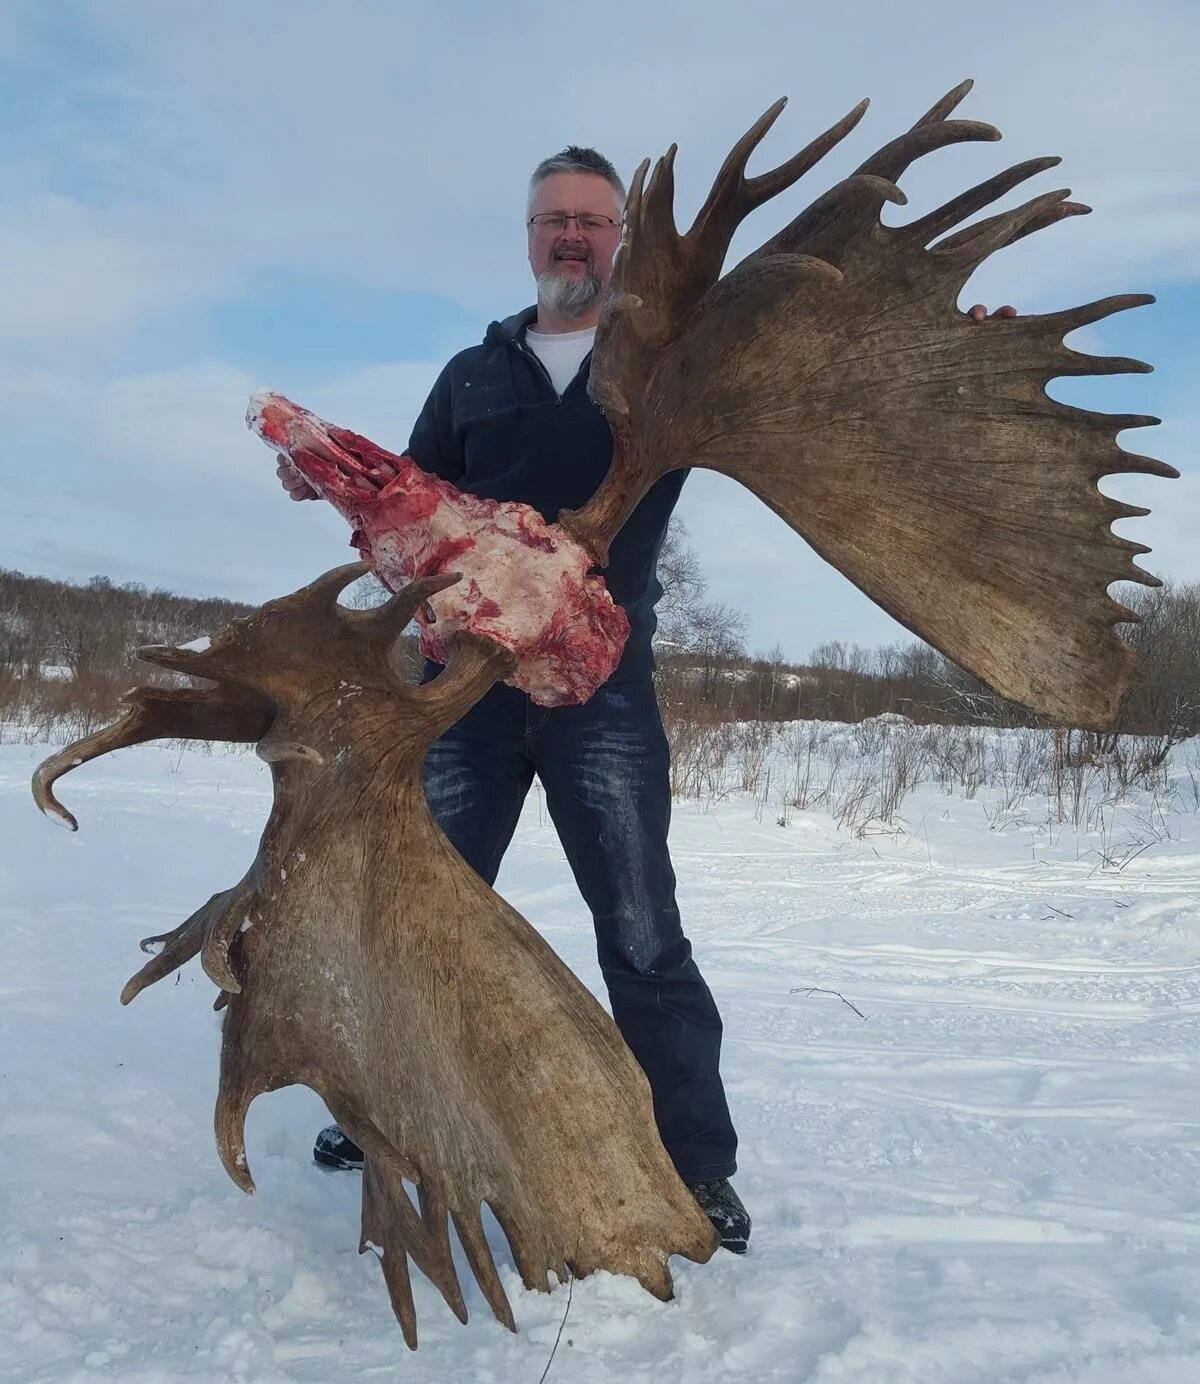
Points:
point(51, 816)
point(991, 1177)
point(199, 646)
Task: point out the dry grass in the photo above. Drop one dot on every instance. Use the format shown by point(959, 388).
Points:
point(863, 775)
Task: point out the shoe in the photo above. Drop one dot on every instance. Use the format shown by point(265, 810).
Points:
point(722, 1205)
point(334, 1149)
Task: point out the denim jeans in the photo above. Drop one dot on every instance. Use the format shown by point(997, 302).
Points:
point(604, 769)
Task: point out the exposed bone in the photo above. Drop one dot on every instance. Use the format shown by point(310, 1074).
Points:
point(526, 585)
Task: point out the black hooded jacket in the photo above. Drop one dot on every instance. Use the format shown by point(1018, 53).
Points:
point(494, 426)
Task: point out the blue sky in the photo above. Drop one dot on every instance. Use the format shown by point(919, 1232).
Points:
point(197, 199)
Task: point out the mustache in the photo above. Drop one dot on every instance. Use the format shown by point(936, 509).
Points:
point(582, 253)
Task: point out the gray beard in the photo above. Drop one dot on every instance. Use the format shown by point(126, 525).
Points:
point(570, 297)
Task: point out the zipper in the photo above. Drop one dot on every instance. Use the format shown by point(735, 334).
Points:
point(545, 374)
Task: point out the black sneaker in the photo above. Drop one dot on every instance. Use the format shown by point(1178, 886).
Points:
point(722, 1205)
point(334, 1149)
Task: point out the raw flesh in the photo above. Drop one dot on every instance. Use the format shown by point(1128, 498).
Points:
point(524, 582)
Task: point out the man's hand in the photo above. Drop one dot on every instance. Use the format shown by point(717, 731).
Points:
point(291, 480)
point(979, 312)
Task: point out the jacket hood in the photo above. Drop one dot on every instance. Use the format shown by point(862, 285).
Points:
point(502, 333)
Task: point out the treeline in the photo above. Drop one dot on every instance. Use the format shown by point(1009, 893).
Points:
point(706, 673)
point(916, 681)
point(59, 630)
point(67, 653)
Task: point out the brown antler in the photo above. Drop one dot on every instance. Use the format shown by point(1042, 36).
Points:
point(157, 713)
point(362, 957)
point(832, 373)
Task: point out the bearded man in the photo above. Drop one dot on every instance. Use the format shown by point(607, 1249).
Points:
point(511, 420)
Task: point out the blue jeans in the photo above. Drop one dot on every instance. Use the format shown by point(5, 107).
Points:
point(605, 771)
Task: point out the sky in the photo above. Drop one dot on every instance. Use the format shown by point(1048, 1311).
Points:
point(327, 198)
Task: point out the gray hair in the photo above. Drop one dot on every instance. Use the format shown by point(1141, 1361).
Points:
point(576, 159)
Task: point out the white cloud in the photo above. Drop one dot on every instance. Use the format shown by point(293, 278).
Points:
point(390, 144)
point(182, 420)
point(74, 278)
point(155, 478)
point(380, 401)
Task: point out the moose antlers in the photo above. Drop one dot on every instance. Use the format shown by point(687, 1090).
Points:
point(832, 373)
point(361, 956)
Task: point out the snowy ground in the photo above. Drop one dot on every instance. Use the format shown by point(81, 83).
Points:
point(992, 1176)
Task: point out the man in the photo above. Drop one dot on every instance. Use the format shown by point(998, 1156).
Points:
point(511, 420)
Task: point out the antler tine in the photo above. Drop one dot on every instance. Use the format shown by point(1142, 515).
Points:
point(475, 664)
point(941, 109)
point(469, 1225)
point(848, 207)
point(175, 949)
point(650, 207)
point(386, 621)
point(435, 1217)
point(729, 186)
point(1119, 614)
point(1118, 422)
point(733, 196)
point(633, 199)
point(950, 213)
point(763, 186)
point(131, 729)
point(658, 195)
point(323, 593)
point(209, 931)
point(1080, 363)
point(971, 246)
point(1129, 545)
point(1140, 465)
point(1143, 578)
point(1120, 509)
point(902, 152)
point(1069, 319)
point(1051, 217)
point(194, 663)
point(852, 207)
point(157, 713)
point(631, 226)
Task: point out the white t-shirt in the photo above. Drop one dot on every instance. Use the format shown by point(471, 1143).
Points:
point(561, 353)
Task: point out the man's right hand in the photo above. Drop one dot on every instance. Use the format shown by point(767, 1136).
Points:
point(292, 481)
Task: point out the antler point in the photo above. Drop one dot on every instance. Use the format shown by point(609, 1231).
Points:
point(57, 813)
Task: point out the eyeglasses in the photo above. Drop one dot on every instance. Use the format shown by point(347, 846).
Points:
point(587, 221)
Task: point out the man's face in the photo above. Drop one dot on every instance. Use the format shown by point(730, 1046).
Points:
point(566, 262)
